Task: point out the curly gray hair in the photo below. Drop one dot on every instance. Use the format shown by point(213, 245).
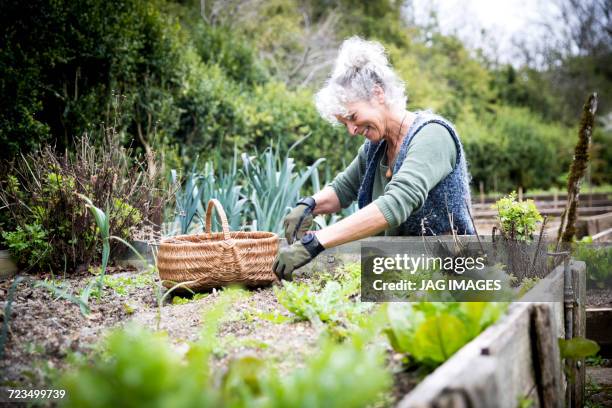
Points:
point(360, 66)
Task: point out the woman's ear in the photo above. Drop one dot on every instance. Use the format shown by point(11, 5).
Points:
point(378, 94)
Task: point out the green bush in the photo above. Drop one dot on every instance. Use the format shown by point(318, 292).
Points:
point(514, 147)
point(518, 220)
point(29, 243)
point(61, 60)
point(598, 260)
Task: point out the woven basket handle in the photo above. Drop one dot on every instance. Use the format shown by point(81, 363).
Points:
point(221, 213)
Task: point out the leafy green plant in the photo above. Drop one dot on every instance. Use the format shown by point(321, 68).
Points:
point(430, 333)
point(273, 185)
point(230, 193)
point(123, 285)
point(518, 219)
point(577, 348)
point(135, 366)
point(178, 300)
point(595, 361)
point(7, 313)
point(104, 229)
point(28, 243)
point(336, 304)
point(598, 260)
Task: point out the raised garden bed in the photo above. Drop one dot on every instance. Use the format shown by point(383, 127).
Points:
point(501, 364)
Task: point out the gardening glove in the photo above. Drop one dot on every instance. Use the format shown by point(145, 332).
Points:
point(299, 220)
point(296, 255)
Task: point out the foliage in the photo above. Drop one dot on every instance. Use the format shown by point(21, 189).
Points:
point(273, 186)
point(28, 244)
point(191, 86)
point(513, 147)
point(137, 367)
point(103, 224)
point(188, 200)
point(62, 59)
point(430, 333)
point(50, 227)
point(7, 313)
point(518, 220)
point(123, 285)
point(577, 348)
point(598, 260)
point(336, 303)
point(178, 300)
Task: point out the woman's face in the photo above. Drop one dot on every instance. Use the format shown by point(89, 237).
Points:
point(365, 118)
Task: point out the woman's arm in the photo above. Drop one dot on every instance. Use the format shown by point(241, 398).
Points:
point(342, 191)
point(364, 223)
point(327, 201)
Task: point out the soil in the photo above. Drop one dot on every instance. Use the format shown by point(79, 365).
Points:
point(599, 297)
point(599, 389)
point(45, 330)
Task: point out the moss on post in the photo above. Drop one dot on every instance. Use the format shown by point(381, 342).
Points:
point(578, 167)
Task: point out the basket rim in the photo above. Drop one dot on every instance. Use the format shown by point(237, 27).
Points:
point(181, 240)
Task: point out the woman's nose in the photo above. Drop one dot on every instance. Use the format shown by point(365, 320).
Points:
point(352, 129)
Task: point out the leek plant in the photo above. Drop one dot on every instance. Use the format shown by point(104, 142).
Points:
point(104, 228)
point(274, 186)
point(188, 198)
point(227, 189)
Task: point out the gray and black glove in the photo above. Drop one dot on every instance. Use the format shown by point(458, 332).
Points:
point(296, 255)
point(299, 220)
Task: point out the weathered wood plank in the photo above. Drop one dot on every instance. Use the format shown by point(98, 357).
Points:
point(524, 359)
point(579, 329)
point(603, 236)
point(598, 223)
point(547, 370)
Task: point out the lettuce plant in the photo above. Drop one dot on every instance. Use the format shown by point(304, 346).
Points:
point(430, 333)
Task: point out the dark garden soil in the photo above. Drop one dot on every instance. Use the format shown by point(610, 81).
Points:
point(45, 330)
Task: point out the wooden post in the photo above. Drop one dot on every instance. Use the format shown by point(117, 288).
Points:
point(555, 198)
point(567, 228)
point(547, 370)
point(579, 330)
point(481, 188)
point(520, 194)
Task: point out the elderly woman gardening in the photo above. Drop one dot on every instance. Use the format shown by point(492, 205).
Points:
point(409, 177)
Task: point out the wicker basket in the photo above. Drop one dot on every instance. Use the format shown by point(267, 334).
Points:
point(214, 259)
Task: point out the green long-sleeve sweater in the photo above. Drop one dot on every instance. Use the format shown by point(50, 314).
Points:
point(430, 158)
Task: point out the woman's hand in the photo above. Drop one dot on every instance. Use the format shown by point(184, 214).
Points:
point(296, 255)
point(299, 220)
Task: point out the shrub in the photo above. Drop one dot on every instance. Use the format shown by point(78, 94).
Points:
point(598, 260)
point(514, 147)
point(518, 220)
point(61, 60)
point(41, 198)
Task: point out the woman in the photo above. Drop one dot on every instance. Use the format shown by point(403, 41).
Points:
point(409, 177)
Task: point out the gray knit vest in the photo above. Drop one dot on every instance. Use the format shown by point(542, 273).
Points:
point(448, 200)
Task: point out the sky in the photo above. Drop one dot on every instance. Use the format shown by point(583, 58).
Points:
point(502, 21)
